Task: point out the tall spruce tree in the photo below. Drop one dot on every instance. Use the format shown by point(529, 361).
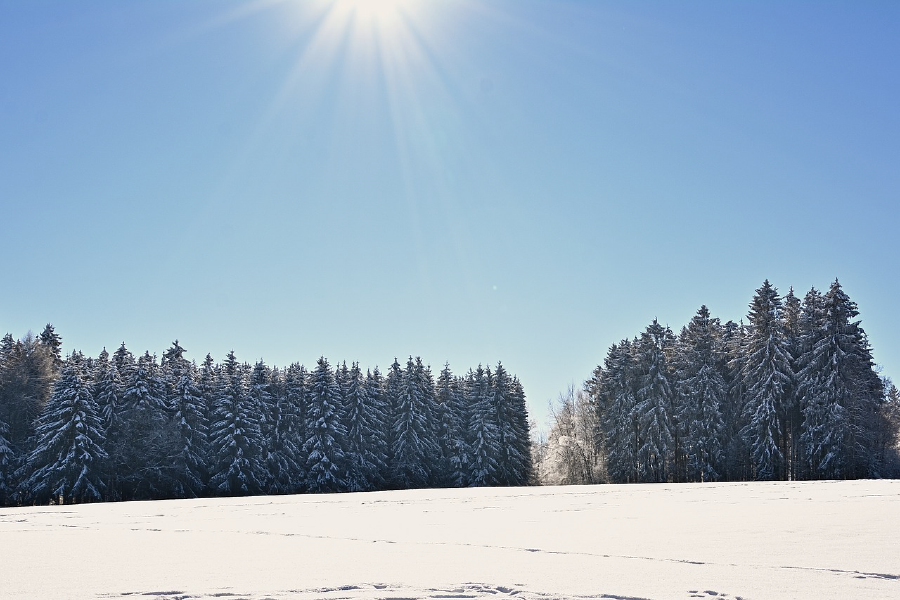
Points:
point(511, 462)
point(522, 467)
point(702, 389)
point(462, 458)
point(361, 423)
point(261, 396)
point(812, 330)
point(792, 415)
point(656, 401)
point(208, 376)
point(123, 358)
point(738, 466)
point(52, 344)
point(186, 400)
point(430, 410)
point(381, 425)
point(840, 394)
point(147, 443)
point(108, 390)
point(325, 463)
point(768, 379)
point(236, 439)
point(451, 427)
point(291, 430)
point(484, 437)
point(67, 461)
point(393, 390)
point(7, 344)
point(413, 446)
point(342, 380)
point(614, 395)
point(282, 436)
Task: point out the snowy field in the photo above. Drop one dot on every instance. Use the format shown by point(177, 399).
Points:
point(754, 541)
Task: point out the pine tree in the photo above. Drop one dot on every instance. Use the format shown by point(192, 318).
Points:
point(107, 385)
point(812, 330)
point(291, 430)
point(67, 463)
point(342, 380)
point(737, 464)
point(702, 388)
point(655, 402)
point(123, 358)
point(7, 344)
point(52, 343)
point(171, 358)
point(430, 442)
point(284, 432)
point(768, 379)
point(614, 393)
point(483, 434)
point(108, 389)
point(208, 386)
point(522, 467)
point(411, 449)
point(450, 429)
point(361, 423)
point(840, 396)
point(381, 425)
point(147, 444)
point(393, 390)
point(792, 415)
point(508, 409)
point(235, 435)
point(186, 400)
point(461, 458)
point(264, 405)
point(325, 463)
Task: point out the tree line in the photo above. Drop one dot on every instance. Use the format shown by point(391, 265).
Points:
point(117, 427)
point(793, 393)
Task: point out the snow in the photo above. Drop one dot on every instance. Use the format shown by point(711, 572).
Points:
point(773, 540)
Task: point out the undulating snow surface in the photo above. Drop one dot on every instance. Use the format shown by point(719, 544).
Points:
point(757, 541)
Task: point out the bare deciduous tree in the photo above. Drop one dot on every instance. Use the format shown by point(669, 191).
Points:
point(570, 454)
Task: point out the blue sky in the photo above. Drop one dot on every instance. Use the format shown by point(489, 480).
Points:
point(470, 181)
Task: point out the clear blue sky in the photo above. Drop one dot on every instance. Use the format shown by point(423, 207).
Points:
point(470, 181)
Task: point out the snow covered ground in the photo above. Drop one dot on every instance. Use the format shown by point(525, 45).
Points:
point(755, 541)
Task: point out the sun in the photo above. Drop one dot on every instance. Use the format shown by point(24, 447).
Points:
point(373, 12)
point(359, 68)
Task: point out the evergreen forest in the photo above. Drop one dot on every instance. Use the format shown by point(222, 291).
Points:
point(120, 427)
point(790, 394)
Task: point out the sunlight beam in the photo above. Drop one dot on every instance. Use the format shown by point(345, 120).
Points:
point(377, 13)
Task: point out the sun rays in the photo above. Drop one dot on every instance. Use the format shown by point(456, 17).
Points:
point(376, 13)
point(373, 103)
point(382, 74)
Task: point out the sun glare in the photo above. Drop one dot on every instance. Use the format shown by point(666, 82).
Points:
point(376, 68)
point(373, 12)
